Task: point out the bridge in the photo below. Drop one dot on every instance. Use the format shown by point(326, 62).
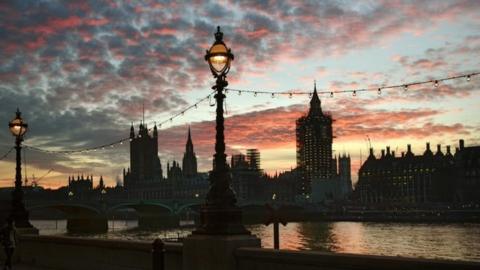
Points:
point(92, 216)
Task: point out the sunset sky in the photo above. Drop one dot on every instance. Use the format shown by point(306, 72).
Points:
point(80, 71)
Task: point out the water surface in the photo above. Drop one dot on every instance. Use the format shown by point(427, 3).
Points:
point(453, 241)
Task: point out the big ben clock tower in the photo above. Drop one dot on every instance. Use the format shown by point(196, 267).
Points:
point(314, 145)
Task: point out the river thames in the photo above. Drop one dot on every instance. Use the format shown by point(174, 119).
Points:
point(452, 241)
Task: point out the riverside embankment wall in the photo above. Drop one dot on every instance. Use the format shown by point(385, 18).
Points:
point(70, 253)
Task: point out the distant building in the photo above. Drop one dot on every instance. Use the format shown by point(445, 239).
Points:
point(336, 188)
point(467, 173)
point(80, 188)
point(247, 180)
point(345, 175)
point(253, 158)
point(283, 187)
point(314, 139)
point(423, 179)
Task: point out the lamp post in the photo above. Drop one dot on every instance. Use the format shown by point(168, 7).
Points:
point(18, 127)
point(220, 215)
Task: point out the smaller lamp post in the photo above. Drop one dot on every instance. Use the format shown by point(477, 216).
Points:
point(18, 127)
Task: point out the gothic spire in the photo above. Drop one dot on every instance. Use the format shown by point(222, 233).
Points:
point(189, 160)
point(189, 141)
point(132, 132)
point(315, 103)
point(155, 132)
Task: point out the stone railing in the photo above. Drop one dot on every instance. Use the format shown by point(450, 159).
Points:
point(58, 252)
point(80, 253)
point(270, 259)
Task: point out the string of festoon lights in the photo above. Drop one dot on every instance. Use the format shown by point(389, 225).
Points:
point(405, 86)
point(120, 142)
point(6, 154)
point(434, 82)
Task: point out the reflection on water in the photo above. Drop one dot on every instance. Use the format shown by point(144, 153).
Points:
point(447, 241)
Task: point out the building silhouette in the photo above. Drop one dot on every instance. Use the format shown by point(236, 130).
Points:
point(81, 187)
point(144, 179)
point(467, 173)
point(189, 164)
point(253, 159)
point(314, 140)
point(248, 180)
point(344, 174)
point(420, 179)
point(145, 164)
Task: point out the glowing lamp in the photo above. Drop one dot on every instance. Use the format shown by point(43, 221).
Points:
point(17, 126)
point(219, 56)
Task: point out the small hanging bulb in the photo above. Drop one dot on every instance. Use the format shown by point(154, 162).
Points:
point(290, 95)
point(379, 91)
point(405, 87)
point(255, 94)
point(468, 78)
point(171, 120)
point(239, 93)
point(435, 83)
point(226, 92)
point(183, 113)
point(121, 143)
point(310, 95)
point(196, 106)
point(273, 95)
point(354, 93)
point(331, 94)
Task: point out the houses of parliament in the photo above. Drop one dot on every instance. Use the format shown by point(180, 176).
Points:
point(144, 178)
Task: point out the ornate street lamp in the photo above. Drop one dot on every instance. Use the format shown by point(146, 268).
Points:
point(220, 215)
point(18, 127)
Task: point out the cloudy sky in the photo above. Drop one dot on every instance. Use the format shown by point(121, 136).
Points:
point(81, 70)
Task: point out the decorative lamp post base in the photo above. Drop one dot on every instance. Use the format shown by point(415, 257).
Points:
point(221, 221)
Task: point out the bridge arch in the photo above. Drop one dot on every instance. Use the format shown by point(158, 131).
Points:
point(76, 209)
point(142, 206)
point(193, 206)
point(81, 218)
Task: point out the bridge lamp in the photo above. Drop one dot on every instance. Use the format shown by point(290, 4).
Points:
point(18, 127)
